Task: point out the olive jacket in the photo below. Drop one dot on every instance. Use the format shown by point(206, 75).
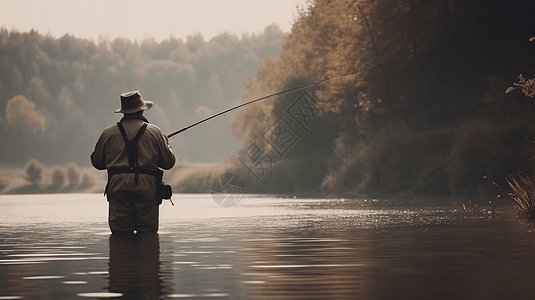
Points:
point(153, 152)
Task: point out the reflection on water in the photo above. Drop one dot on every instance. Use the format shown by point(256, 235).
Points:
point(59, 247)
point(134, 265)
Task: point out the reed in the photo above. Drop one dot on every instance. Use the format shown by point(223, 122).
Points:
point(471, 209)
point(523, 188)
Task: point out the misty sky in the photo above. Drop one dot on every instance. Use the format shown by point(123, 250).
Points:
point(203, 76)
point(138, 19)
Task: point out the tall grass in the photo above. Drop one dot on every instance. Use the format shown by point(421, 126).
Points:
point(523, 195)
point(471, 209)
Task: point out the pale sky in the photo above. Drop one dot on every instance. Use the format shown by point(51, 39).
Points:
point(137, 19)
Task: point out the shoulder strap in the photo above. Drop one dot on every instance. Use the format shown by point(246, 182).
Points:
point(131, 146)
point(123, 133)
point(139, 133)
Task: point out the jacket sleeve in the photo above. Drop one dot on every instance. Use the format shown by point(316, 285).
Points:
point(166, 156)
point(98, 157)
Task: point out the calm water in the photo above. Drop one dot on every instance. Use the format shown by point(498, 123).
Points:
point(59, 247)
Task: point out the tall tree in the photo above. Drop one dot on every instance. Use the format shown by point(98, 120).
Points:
point(423, 73)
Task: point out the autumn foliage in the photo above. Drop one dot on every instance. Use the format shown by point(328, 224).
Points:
point(426, 111)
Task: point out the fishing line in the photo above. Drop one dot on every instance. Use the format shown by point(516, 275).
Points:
point(272, 96)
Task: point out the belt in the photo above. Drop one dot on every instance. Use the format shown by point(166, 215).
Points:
point(122, 170)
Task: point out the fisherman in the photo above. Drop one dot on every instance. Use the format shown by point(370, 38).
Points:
point(133, 151)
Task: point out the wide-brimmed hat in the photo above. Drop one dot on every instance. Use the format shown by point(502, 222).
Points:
point(132, 102)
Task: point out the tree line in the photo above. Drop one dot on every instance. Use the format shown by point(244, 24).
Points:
point(426, 111)
point(58, 94)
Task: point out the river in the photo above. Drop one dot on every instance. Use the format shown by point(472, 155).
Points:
point(59, 247)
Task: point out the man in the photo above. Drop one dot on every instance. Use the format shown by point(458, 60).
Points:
point(133, 151)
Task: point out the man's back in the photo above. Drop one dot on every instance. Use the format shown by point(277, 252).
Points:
point(132, 189)
point(153, 152)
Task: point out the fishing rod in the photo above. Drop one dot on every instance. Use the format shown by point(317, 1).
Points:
point(275, 95)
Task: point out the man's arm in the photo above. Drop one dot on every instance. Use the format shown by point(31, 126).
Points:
point(98, 157)
point(167, 157)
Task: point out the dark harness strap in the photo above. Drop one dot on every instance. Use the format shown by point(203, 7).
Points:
point(131, 147)
point(133, 164)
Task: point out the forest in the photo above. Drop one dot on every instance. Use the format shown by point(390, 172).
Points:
point(63, 91)
point(58, 94)
point(425, 111)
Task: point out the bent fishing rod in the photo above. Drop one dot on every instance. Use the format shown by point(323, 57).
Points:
point(274, 95)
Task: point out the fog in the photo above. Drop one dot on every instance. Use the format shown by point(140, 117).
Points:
point(22, 118)
point(425, 112)
point(58, 94)
point(35, 177)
